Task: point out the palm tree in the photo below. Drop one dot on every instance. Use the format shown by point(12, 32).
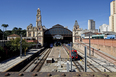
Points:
point(4, 26)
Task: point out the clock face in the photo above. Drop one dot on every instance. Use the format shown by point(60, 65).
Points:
point(77, 27)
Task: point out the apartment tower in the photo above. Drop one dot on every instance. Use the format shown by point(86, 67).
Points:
point(91, 25)
point(112, 17)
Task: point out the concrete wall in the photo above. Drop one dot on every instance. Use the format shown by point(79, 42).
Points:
point(105, 45)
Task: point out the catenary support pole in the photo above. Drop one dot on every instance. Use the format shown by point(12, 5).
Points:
point(21, 47)
point(71, 54)
point(85, 70)
point(89, 46)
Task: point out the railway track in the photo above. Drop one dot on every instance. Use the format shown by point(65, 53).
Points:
point(99, 53)
point(30, 67)
point(78, 66)
point(92, 66)
point(41, 62)
point(96, 64)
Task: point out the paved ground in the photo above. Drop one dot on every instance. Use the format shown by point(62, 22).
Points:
point(56, 65)
point(9, 63)
point(56, 51)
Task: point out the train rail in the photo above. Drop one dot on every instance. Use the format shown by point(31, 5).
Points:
point(79, 66)
point(33, 64)
point(91, 67)
point(96, 64)
point(41, 62)
point(112, 60)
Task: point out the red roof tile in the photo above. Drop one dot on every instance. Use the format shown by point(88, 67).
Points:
point(13, 35)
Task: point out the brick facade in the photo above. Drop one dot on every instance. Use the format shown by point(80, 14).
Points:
point(105, 45)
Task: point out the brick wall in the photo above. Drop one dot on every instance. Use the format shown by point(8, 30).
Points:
point(106, 42)
point(31, 41)
point(105, 45)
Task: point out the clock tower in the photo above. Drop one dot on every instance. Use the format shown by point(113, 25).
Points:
point(76, 32)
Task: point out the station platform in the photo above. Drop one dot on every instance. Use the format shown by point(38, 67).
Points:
point(57, 52)
point(59, 64)
point(9, 63)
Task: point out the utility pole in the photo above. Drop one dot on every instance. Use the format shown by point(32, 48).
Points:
point(89, 45)
point(37, 38)
point(21, 47)
point(3, 37)
point(71, 54)
point(85, 70)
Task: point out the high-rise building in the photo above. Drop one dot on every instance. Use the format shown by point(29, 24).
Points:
point(112, 17)
point(103, 28)
point(91, 25)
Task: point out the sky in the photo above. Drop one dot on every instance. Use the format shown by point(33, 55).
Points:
point(20, 13)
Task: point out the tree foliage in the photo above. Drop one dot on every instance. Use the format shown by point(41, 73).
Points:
point(12, 48)
point(14, 44)
point(1, 34)
point(15, 30)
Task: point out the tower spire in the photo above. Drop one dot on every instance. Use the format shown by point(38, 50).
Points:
point(76, 23)
point(76, 26)
point(38, 18)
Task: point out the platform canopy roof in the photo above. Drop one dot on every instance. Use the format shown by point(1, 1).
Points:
point(58, 30)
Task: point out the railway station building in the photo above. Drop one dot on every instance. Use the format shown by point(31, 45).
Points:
point(56, 33)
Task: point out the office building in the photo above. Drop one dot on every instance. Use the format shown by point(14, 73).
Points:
point(103, 28)
point(112, 17)
point(91, 25)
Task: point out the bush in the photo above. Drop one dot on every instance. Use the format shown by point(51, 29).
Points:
point(2, 53)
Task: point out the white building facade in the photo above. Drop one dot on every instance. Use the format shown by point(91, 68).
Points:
point(112, 17)
point(103, 27)
point(91, 25)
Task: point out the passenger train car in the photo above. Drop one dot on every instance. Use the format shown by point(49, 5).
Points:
point(73, 52)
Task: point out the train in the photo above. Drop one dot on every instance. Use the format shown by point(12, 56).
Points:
point(57, 44)
point(73, 52)
point(51, 45)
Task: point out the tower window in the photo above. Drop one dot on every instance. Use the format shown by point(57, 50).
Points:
point(37, 17)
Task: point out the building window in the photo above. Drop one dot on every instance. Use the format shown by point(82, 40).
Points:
point(34, 35)
point(29, 34)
